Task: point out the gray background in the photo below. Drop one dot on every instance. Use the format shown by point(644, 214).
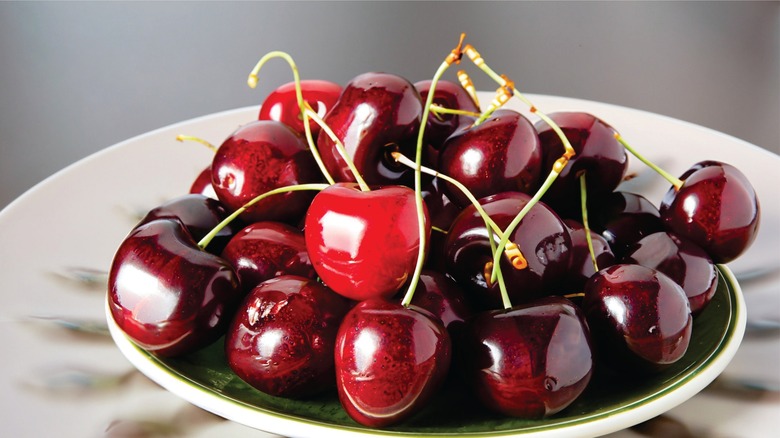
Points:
point(78, 77)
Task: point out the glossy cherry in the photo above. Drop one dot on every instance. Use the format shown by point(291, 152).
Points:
point(363, 244)
point(530, 361)
point(258, 157)
point(541, 236)
point(623, 218)
point(598, 154)
point(444, 298)
point(199, 214)
point(501, 154)
point(581, 260)
point(640, 318)
point(683, 261)
point(716, 208)
point(374, 110)
point(264, 250)
point(282, 338)
point(169, 296)
point(281, 104)
point(390, 360)
point(201, 185)
point(440, 126)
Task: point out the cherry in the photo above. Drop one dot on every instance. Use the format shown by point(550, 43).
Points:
point(281, 104)
point(529, 361)
point(264, 250)
point(640, 318)
point(501, 154)
point(282, 338)
point(581, 259)
point(201, 185)
point(683, 261)
point(442, 212)
point(443, 298)
point(374, 110)
point(598, 154)
point(364, 244)
point(169, 296)
point(440, 126)
point(623, 218)
point(716, 208)
point(541, 236)
point(199, 214)
point(390, 360)
point(285, 160)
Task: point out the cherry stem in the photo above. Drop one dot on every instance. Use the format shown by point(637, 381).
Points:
point(676, 182)
point(438, 109)
point(585, 224)
point(468, 85)
point(182, 137)
point(400, 158)
point(204, 242)
point(339, 147)
point(252, 82)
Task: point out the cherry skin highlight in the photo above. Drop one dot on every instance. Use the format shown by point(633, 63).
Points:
point(281, 104)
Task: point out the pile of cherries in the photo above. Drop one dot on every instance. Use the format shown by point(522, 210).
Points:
point(373, 239)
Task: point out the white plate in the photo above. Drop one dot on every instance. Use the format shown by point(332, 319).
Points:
point(77, 217)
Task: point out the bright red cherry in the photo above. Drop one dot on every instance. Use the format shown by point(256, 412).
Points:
point(281, 104)
point(716, 208)
point(169, 296)
point(530, 361)
point(282, 338)
point(501, 154)
point(258, 157)
point(363, 244)
point(375, 110)
point(201, 185)
point(390, 360)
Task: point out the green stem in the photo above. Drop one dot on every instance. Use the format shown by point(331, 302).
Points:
point(182, 137)
point(252, 82)
point(204, 242)
point(438, 109)
point(585, 222)
point(676, 182)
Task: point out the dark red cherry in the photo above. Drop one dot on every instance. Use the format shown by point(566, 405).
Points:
point(501, 154)
point(716, 208)
point(443, 297)
point(374, 110)
point(623, 218)
point(281, 104)
point(390, 360)
point(282, 339)
point(440, 126)
point(598, 154)
point(541, 236)
point(442, 212)
point(683, 261)
point(530, 361)
point(640, 318)
point(582, 267)
point(169, 296)
point(258, 157)
point(201, 185)
point(264, 250)
point(364, 244)
point(199, 214)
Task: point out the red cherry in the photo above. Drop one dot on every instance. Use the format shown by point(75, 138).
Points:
point(169, 296)
point(201, 185)
point(363, 244)
point(258, 157)
point(716, 208)
point(282, 339)
point(264, 250)
point(374, 111)
point(389, 361)
point(501, 154)
point(530, 361)
point(281, 104)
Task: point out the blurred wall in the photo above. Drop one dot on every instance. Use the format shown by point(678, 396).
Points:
point(78, 77)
